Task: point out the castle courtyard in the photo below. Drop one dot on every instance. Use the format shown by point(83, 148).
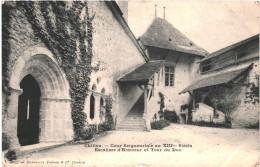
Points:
point(185, 145)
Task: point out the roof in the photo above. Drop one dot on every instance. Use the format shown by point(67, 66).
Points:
point(164, 35)
point(143, 73)
point(217, 79)
point(228, 48)
point(119, 16)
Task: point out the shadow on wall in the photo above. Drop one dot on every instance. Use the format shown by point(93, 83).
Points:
point(128, 96)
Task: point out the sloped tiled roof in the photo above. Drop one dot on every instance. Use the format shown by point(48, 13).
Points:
point(216, 80)
point(233, 46)
point(164, 35)
point(143, 73)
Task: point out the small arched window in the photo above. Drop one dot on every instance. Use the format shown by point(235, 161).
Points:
point(94, 87)
point(103, 91)
point(98, 80)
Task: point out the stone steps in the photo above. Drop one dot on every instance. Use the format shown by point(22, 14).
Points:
point(38, 147)
point(132, 123)
point(134, 116)
point(133, 126)
point(131, 129)
point(133, 120)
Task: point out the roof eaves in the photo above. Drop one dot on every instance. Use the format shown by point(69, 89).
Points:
point(245, 70)
point(162, 64)
point(196, 53)
point(242, 73)
point(121, 80)
point(129, 72)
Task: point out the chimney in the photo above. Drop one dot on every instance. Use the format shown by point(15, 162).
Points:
point(164, 13)
point(155, 12)
point(123, 5)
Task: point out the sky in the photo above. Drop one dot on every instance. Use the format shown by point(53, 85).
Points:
point(211, 25)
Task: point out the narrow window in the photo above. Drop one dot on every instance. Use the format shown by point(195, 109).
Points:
point(92, 107)
point(102, 108)
point(101, 102)
point(169, 76)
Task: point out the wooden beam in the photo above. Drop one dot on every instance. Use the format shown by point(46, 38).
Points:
point(149, 94)
point(159, 75)
point(190, 94)
point(145, 99)
point(193, 100)
point(178, 59)
point(151, 81)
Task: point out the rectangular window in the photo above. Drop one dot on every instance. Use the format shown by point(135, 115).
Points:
point(247, 54)
point(227, 59)
point(209, 65)
point(169, 76)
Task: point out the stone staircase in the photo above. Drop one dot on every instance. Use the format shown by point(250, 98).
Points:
point(133, 120)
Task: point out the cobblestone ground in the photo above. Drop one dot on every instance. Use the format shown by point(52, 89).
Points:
point(209, 147)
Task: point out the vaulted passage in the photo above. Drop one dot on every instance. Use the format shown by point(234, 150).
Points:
point(28, 111)
point(39, 109)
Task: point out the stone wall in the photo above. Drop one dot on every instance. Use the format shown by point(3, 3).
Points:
point(205, 113)
point(246, 114)
point(182, 78)
point(28, 55)
point(115, 55)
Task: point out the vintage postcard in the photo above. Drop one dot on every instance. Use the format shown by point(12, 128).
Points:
point(130, 83)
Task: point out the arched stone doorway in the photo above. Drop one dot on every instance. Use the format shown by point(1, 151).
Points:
point(55, 123)
point(28, 111)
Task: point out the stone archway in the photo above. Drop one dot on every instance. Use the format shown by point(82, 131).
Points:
point(55, 123)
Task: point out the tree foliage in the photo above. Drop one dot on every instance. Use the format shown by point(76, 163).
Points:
point(252, 96)
point(223, 101)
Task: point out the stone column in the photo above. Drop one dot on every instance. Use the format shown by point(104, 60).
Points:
point(11, 119)
point(45, 120)
point(103, 107)
point(145, 100)
point(145, 116)
point(97, 107)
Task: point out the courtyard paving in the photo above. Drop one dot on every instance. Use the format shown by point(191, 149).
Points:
point(200, 146)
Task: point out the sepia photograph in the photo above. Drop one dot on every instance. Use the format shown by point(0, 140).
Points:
point(130, 83)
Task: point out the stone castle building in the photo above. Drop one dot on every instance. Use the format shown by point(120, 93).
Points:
point(132, 71)
point(236, 69)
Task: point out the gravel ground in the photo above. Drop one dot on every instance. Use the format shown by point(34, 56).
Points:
point(200, 146)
